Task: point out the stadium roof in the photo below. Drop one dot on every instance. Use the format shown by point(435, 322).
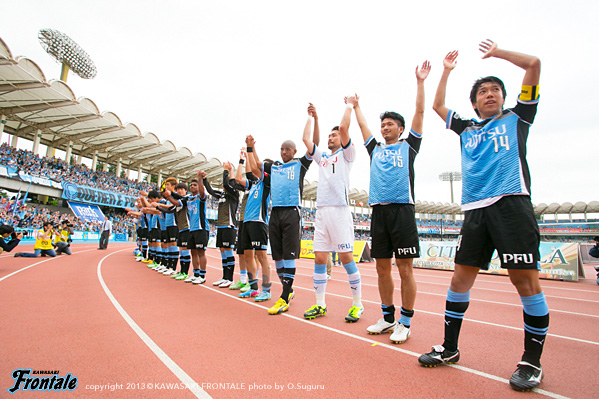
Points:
point(30, 104)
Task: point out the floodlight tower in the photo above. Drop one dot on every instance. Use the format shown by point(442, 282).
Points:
point(64, 50)
point(451, 177)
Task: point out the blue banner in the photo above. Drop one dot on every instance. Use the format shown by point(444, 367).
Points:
point(87, 212)
point(90, 195)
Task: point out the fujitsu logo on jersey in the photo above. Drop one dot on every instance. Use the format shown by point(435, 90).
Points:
point(386, 153)
point(518, 258)
point(478, 136)
point(406, 251)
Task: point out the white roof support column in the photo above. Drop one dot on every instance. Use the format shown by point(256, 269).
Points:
point(119, 167)
point(148, 178)
point(2, 123)
point(139, 174)
point(67, 156)
point(14, 141)
point(95, 160)
point(79, 158)
point(36, 141)
point(50, 151)
point(105, 167)
point(159, 177)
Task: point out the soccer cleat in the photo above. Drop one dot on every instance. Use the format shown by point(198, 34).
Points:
point(291, 295)
point(169, 272)
point(249, 294)
point(400, 335)
point(219, 281)
point(236, 285)
point(181, 276)
point(175, 275)
point(314, 312)
point(151, 264)
point(328, 276)
point(280, 306)
point(139, 258)
point(264, 296)
point(159, 268)
point(354, 314)
point(439, 355)
point(199, 280)
point(245, 287)
point(225, 284)
point(18, 255)
point(526, 377)
point(381, 327)
point(146, 261)
point(190, 279)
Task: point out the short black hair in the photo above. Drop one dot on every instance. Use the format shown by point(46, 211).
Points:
point(181, 185)
point(6, 229)
point(395, 116)
point(153, 194)
point(335, 128)
point(479, 82)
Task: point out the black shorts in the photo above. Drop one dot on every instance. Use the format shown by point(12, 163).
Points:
point(142, 233)
point(225, 237)
point(155, 235)
point(238, 242)
point(284, 229)
point(509, 225)
point(394, 232)
point(172, 233)
point(255, 236)
point(183, 239)
point(198, 239)
point(163, 236)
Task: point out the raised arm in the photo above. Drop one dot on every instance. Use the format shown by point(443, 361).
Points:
point(345, 120)
point(354, 100)
point(201, 177)
point(316, 134)
point(254, 164)
point(421, 76)
point(449, 63)
point(308, 128)
point(211, 191)
point(238, 175)
point(530, 63)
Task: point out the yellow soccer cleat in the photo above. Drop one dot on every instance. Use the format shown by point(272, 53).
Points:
point(280, 306)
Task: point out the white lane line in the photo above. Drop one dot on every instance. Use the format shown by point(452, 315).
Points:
point(387, 346)
point(35, 264)
point(164, 358)
point(584, 341)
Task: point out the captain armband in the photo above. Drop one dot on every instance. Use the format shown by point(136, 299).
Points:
point(529, 93)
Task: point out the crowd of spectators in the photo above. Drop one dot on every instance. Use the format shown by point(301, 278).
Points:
point(59, 170)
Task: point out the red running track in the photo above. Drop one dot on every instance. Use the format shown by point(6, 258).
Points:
point(127, 332)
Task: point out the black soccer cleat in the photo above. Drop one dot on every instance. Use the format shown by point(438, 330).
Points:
point(526, 377)
point(439, 355)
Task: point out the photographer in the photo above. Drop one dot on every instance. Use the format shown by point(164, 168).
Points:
point(43, 243)
point(594, 251)
point(63, 239)
point(8, 231)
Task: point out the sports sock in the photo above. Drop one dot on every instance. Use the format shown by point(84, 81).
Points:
point(536, 324)
point(388, 313)
point(320, 283)
point(144, 249)
point(266, 287)
point(280, 265)
point(355, 282)
point(455, 307)
point(406, 317)
point(185, 260)
point(223, 259)
point(196, 272)
point(230, 264)
point(288, 277)
point(174, 256)
point(243, 276)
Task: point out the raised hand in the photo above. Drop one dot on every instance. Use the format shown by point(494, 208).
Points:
point(249, 140)
point(449, 62)
point(353, 100)
point(424, 70)
point(227, 166)
point(488, 48)
point(242, 154)
point(312, 110)
point(201, 175)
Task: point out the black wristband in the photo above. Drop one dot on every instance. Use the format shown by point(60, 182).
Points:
point(250, 149)
point(241, 161)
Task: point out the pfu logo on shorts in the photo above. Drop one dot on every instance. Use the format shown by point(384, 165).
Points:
point(517, 258)
point(23, 381)
point(348, 246)
point(406, 251)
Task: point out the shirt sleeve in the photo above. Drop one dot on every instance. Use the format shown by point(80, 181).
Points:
point(370, 144)
point(456, 123)
point(349, 152)
point(305, 161)
point(528, 100)
point(414, 140)
point(317, 155)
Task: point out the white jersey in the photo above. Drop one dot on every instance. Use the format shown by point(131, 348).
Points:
point(333, 180)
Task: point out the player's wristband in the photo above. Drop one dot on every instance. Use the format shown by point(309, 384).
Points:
point(250, 149)
point(241, 161)
point(349, 105)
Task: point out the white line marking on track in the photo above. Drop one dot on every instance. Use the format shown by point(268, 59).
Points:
point(164, 358)
point(387, 346)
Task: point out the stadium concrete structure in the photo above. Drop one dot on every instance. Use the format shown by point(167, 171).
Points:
point(49, 113)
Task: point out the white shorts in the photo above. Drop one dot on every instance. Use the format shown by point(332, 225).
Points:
point(334, 229)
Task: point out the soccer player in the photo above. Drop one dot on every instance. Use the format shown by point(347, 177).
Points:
point(498, 210)
point(393, 226)
point(226, 223)
point(254, 234)
point(154, 232)
point(287, 184)
point(334, 225)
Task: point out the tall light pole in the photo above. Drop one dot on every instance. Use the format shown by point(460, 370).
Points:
point(64, 50)
point(451, 177)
